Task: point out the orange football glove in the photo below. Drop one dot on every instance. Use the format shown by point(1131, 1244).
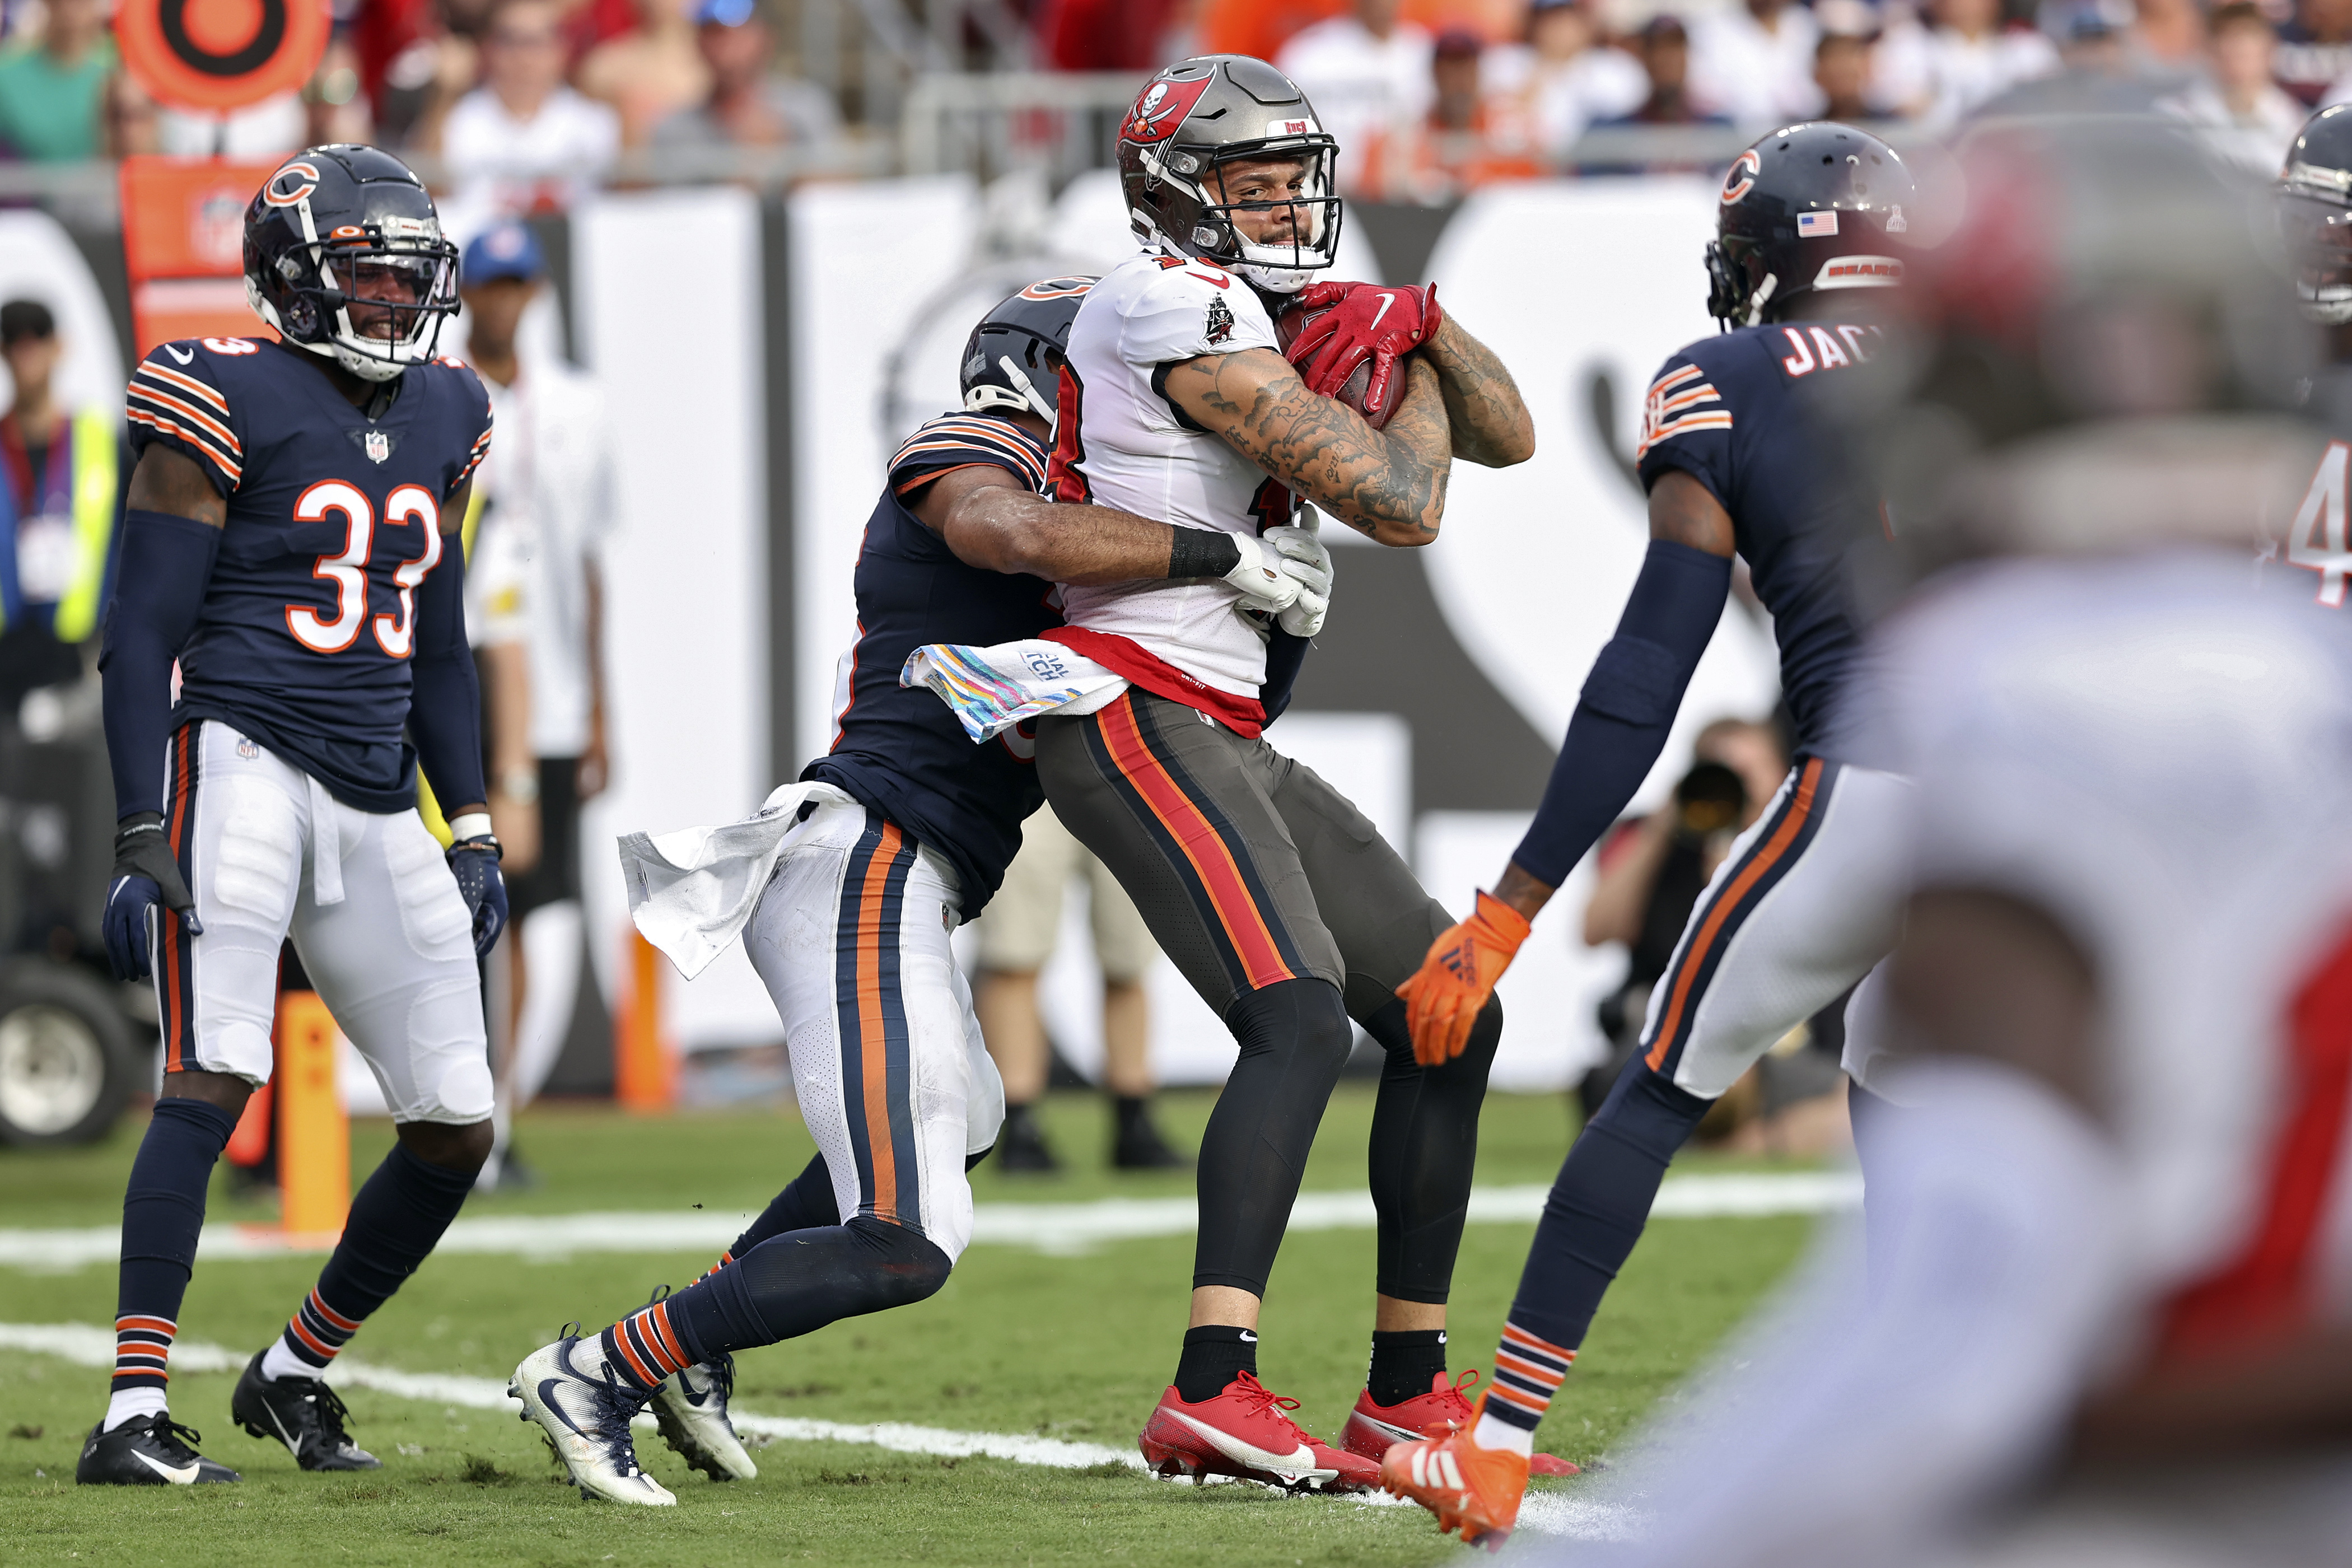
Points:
point(1444, 998)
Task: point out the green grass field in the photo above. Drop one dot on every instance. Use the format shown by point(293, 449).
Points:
point(1018, 1341)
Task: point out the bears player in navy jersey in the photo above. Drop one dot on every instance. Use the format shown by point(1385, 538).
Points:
point(1812, 222)
point(290, 542)
point(2314, 198)
point(906, 829)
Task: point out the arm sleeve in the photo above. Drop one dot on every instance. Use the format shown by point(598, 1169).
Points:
point(445, 703)
point(179, 403)
point(1628, 705)
point(159, 593)
point(1286, 656)
point(481, 446)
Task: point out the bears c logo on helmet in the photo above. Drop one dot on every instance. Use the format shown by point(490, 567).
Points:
point(1057, 288)
point(289, 184)
point(1742, 177)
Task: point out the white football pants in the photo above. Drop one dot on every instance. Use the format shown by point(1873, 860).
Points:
point(370, 902)
point(851, 939)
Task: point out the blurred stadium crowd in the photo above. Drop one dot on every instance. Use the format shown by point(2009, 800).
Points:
point(520, 104)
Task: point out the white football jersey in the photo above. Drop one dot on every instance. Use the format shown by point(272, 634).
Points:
point(1121, 444)
point(2163, 760)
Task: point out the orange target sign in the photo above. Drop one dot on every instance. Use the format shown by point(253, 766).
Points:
point(221, 53)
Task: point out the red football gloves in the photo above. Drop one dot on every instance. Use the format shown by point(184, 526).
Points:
point(1444, 998)
point(1366, 322)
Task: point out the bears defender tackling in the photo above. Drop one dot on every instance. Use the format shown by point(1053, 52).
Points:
point(899, 833)
point(289, 541)
point(1811, 221)
point(1276, 899)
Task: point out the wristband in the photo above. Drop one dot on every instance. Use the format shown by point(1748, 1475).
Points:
point(472, 825)
point(1203, 552)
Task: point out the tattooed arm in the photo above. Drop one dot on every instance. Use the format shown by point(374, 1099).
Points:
point(1389, 484)
point(1491, 426)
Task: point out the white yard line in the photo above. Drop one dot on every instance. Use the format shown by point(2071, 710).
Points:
point(85, 1345)
point(1058, 1229)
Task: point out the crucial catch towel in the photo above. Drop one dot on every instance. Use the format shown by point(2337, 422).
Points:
point(992, 689)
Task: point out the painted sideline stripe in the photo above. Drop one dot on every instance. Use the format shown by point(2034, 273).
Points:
point(1062, 1230)
point(84, 1344)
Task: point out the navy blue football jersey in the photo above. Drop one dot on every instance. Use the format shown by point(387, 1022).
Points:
point(334, 520)
point(900, 749)
point(1735, 412)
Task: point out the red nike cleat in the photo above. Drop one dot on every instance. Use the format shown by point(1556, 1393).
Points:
point(1475, 1490)
point(1372, 1427)
point(1243, 1432)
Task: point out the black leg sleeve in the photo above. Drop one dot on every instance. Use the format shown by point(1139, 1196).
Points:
point(806, 1204)
point(1294, 1036)
point(1425, 1150)
point(796, 1283)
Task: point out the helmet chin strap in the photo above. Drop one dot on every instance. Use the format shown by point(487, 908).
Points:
point(1029, 394)
point(1757, 301)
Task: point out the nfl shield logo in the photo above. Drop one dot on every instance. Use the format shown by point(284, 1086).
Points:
point(378, 446)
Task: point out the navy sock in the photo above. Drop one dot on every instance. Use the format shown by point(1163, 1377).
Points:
point(786, 1286)
point(394, 1221)
point(1214, 1355)
point(808, 1203)
point(1405, 1362)
point(1599, 1203)
point(162, 1211)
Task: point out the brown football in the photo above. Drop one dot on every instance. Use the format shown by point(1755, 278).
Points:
point(1295, 318)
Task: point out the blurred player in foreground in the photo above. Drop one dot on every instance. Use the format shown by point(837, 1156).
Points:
point(2315, 216)
point(1274, 896)
point(1813, 224)
point(2108, 1297)
point(290, 541)
point(847, 888)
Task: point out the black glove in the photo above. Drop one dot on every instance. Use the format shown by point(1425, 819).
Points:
point(146, 874)
point(474, 863)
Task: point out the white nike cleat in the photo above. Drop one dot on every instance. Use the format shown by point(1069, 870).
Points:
point(690, 1408)
point(585, 1411)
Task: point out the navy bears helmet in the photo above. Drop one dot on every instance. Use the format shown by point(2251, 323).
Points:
point(344, 256)
point(1013, 357)
point(1809, 207)
point(2315, 214)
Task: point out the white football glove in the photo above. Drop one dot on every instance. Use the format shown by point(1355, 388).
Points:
point(1299, 554)
point(1265, 586)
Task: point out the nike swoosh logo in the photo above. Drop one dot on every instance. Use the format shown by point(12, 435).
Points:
point(175, 353)
point(183, 1477)
point(1386, 301)
point(1219, 282)
point(1402, 1434)
point(1300, 1460)
point(1247, 1337)
point(547, 1386)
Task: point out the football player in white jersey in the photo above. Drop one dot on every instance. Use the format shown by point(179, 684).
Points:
point(1275, 897)
point(2111, 1208)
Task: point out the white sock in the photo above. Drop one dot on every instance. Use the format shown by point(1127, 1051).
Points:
point(282, 1363)
point(1492, 1434)
point(128, 1402)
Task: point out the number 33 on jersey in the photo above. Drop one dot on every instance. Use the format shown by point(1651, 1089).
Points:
point(334, 521)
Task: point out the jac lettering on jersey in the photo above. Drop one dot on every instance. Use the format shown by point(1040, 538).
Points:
point(1123, 444)
point(334, 523)
point(902, 751)
point(1735, 413)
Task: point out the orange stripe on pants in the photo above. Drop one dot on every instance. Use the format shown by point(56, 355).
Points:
point(1211, 858)
point(1801, 808)
point(872, 1046)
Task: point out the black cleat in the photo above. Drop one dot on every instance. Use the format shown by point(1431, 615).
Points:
point(302, 1413)
point(1137, 1146)
point(1021, 1147)
point(147, 1451)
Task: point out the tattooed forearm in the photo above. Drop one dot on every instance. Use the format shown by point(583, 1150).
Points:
point(1491, 426)
point(1388, 484)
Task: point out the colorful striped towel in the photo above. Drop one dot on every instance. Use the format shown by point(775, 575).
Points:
point(992, 689)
